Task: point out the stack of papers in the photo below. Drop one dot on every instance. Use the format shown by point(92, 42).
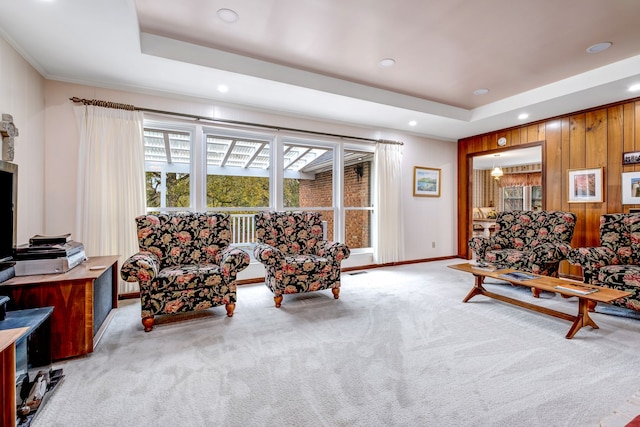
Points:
point(578, 289)
point(518, 275)
point(483, 266)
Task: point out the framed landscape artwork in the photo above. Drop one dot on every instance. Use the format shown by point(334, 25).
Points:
point(631, 188)
point(586, 186)
point(426, 182)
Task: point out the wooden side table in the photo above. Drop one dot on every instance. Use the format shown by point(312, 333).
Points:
point(83, 299)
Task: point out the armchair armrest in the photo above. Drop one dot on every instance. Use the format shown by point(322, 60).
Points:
point(480, 245)
point(141, 267)
point(549, 252)
point(333, 250)
point(233, 261)
point(591, 259)
point(268, 255)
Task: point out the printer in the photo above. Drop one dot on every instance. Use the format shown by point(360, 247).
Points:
point(48, 258)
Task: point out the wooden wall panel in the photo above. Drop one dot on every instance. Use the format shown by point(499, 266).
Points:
point(552, 152)
point(577, 160)
point(595, 156)
point(588, 139)
point(615, 146)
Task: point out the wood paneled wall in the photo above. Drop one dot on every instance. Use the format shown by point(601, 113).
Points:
point(586, 139)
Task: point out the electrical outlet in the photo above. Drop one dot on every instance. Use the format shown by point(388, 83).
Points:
point(433, 244)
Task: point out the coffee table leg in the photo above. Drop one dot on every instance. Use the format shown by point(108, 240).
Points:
point(582, 319)
point(476, 290)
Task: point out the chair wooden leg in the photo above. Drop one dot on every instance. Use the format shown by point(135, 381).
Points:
point(147, 323)
point(535, 292)
point(336, 293)
point(278, 300)
point(230, 308)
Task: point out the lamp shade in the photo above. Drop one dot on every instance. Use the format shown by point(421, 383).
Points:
point(496, 172)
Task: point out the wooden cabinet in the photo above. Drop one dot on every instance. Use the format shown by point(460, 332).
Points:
point(83, 299)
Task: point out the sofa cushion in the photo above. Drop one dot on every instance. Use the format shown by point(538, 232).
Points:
point(184, 238)
point(292, 233)
point(181, 277)
point(507, 256)
point(527, 229)
point(307, 264)
point(619, 276)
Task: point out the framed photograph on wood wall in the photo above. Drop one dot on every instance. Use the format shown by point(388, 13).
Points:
point(631, 188)
point(426, 182)
point(586, 185)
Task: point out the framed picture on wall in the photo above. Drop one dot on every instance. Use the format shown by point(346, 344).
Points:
point(586, 185)
point(631, 188)
point(631, 158)
point(426, 182)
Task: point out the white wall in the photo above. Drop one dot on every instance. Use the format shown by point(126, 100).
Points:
point(427, 219)
point(22, 96)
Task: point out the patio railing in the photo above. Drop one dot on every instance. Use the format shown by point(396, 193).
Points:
point(243, 230)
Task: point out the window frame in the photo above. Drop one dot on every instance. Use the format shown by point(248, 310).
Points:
point(198, 170)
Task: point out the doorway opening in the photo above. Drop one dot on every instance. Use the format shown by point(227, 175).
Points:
point(505, 181)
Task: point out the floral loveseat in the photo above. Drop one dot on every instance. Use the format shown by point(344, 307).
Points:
point(534, 241)
point(185, 263)
point(616, 262)
point(294, 254)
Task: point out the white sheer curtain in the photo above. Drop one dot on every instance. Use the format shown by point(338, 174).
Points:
point(111, 183)
point(389, 242)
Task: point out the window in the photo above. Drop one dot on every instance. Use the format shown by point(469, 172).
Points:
point(358, 187)
point(168, 169)
point(512, 198)
point(237, 172)
point(522, 198)
point(206, 168)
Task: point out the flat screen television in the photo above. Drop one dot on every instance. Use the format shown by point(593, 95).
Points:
point(8, 211)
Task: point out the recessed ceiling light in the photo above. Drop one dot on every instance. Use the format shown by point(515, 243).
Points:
point(413, 123)
point(599, 47)
point(482, 91)
point(223, 88)
point(634, 88)
point(228, 15)
point(523, 116)
point(387, 62)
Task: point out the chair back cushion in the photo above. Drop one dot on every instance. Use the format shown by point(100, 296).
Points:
point(293, 233)
point(185, 237)
point(621, 233)
point(528, 229)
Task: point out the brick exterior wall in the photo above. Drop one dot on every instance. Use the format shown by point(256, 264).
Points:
point(357, 193)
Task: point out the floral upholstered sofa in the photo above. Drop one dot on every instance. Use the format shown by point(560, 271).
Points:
point(533, 241)
point(185, 263)
point(616, 262)
point(294, 254)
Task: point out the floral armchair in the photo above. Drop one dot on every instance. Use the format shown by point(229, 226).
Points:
point(294, 254)
point(533, 241)
point(185, 263)
point(616, 262)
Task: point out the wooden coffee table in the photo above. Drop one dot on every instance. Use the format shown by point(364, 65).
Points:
point(544, 283)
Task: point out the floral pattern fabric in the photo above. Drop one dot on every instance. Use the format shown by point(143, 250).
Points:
point(616, 262)
point(534, 241)
point(295, 256)
point(185, 262)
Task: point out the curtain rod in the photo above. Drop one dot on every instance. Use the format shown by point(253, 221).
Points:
point(130, 107)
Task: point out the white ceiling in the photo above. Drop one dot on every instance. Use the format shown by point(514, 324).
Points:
point(509, 158)
point(319, 59)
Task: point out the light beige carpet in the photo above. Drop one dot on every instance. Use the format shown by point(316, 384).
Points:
point(398, 348)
